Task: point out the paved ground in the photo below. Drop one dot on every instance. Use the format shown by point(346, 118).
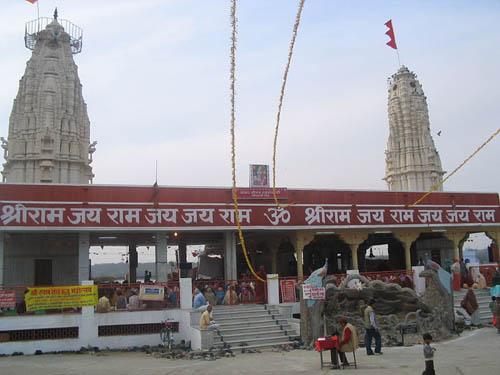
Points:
point(474, 353)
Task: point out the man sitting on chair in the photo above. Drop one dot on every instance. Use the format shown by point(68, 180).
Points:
point(348, 339)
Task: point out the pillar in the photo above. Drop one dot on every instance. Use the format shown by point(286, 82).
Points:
point(186, 290)
point(88, 332)
point(273, 289)
point(83, 256)
point(274, 245)
point(407, 238)
point(230, 271)
point(495, 237)
point(456, 238)
point(183, 258)
point(354, 240)
point(2, 252)
point(161, 261)
point(132, 262)
point(301, 239)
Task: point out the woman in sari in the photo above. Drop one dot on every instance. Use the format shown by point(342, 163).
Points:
point(469, 303)
point(231, 298)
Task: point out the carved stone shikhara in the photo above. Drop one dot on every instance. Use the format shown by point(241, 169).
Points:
point(412, 161)
point(49, 129)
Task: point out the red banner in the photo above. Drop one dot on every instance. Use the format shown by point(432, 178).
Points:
point(7, 299)
point(261, 193)
point(287, 289)
point(43, 215)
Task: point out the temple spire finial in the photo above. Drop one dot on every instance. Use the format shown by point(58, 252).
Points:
point(55, 14)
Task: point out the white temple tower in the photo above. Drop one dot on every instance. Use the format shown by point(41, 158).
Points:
point(49, 129)
point(412, 161)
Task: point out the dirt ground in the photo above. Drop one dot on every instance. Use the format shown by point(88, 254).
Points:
point(475, 353)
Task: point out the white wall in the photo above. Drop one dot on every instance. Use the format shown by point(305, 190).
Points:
point(95, 320)
point(21, 250)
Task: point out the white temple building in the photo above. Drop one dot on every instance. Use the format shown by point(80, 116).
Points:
point(49, 129)
point(412, 161)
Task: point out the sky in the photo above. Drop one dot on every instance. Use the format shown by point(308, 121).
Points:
point(155, 77)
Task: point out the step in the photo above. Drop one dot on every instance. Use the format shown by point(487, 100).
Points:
point(253, 323)
point(268, 334)
point(263, 328)
point(264, 345)
point(245, 318)
point(256, 341)
point(238, 308)
point(230, 314)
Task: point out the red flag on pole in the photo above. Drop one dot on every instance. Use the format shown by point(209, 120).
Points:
point(390, 33)
point(32, 1)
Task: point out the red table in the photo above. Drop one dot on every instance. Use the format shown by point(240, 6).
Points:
point(327, 343)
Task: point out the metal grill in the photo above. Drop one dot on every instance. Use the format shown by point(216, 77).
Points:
point(135, 329)
point(32, 28)
point(39, 334)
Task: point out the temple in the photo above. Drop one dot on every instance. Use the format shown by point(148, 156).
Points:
point(49, 129)
point(412, 161)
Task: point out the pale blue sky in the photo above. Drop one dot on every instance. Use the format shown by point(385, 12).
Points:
point(155, 78)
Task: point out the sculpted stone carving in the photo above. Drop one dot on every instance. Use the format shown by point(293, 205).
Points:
point(412, 161)
point(49, 129)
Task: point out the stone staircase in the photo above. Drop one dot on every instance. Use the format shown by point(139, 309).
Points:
point(251, 327)
point(483, 299)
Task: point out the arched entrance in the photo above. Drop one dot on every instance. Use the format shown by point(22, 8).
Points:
point(381, 252)
point(327, 246)
point(433, 245)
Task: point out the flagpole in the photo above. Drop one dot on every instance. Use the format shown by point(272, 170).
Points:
point(399, 60)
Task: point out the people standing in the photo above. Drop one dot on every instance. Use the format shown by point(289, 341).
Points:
point(495, 309)
point(199, 300)
point(231, 298)
point(463, 271)
point(372, 331)
point(456, 272)
point(348, 339)
point(428, 355)
point(469, 303)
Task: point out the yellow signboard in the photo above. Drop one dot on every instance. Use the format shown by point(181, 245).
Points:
point(60, 297)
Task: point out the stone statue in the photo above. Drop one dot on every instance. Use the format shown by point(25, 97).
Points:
point(5, 146)
point(92, 149)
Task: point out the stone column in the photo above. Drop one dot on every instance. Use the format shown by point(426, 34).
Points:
point(407, 238)
point(457, 238)
point(230, 271)
point(273, 289)
point(2, 254)
point(161, 261)
point(301, 239)
point(354, 240)
point(183, 257)
point(132, 262)
point(83, 256)
point(274, 244)
point(88, 332)
point(186, 290)
point(495, 236)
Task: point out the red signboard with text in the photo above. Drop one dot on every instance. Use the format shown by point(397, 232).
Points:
point(107, 207)
point(7, 299)
point(287, 289)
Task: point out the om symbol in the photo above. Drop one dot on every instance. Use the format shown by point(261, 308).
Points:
point(278, 215)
